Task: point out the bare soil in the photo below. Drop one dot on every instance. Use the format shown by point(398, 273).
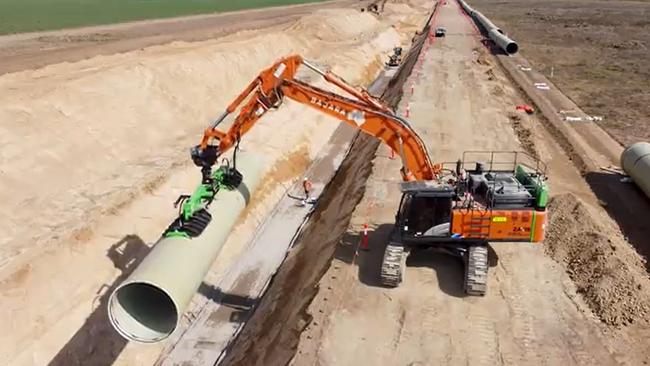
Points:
point(590, 146)
point(112, 135)
point(582, 298)
point(605, 269)
point(597, 51)
point(561, 303)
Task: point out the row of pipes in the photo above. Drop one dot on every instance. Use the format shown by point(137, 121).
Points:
point(635, 160)
point(494, 32)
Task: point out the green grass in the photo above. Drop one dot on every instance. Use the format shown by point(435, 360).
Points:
point(17, 16)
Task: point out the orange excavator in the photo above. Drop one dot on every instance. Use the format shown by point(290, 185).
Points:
point(454, 207)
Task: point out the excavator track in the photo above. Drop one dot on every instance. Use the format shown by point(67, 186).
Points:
point(476, 270)
point(392, 266)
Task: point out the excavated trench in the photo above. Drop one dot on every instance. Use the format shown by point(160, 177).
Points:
point(271, 335)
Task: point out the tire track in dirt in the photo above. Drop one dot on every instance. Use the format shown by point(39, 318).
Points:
point(521, 324)
point(485, 350)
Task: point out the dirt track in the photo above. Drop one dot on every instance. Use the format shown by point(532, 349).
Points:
point(532, 313)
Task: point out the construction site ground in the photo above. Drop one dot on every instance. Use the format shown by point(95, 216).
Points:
point(94, 138)
point(583, 86)
point(596, 52)
point(112, 133)
point(534, 313)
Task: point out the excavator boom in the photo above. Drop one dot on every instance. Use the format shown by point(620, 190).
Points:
point(359, 109)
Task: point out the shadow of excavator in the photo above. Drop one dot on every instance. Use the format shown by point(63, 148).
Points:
point(448, 269)
point(96, 342)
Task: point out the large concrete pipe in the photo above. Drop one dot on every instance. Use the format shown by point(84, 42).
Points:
point(485, 22)
point(503, 41)
point(635, 161)
point(147, 306)
point(494, 32)
point(468, 9)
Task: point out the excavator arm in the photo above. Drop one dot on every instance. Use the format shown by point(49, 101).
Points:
point(359, 109)
point(269, 89)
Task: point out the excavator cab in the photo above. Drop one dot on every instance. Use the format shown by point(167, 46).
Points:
point(501, 196)
point(425, 212)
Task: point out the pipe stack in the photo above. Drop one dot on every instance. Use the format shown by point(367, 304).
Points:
point(495, 34)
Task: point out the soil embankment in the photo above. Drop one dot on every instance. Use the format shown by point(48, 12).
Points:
point(609, 275)
point(27, 51)
point(112, 134)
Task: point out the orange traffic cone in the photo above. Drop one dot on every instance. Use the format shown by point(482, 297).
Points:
point(364, 238)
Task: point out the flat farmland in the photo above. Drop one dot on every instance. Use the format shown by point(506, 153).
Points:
point(18, 16)
point(595, 51)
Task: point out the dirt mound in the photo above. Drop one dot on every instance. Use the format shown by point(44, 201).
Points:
point(334, 25)
point(606, 271)
point(400, 6)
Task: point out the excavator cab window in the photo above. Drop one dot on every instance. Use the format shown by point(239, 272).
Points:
point(426, 215)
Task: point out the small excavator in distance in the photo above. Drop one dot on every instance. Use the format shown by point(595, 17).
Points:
point(395, 59)
point(376, 7)
point(454, 207)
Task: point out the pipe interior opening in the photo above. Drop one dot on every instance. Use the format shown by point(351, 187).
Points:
point(149, 306)
point(512, 48)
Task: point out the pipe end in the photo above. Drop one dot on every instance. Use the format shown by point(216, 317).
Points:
point(512, 48)
point(142, 312)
